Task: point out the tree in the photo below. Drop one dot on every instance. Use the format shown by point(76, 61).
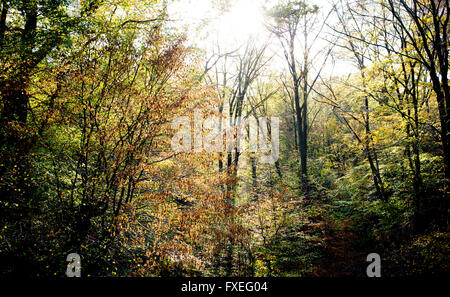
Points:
point(232, 89)
point(425, 30)
point(290, 21)
point(414, 35)
point(29, 31)
point(349, 25)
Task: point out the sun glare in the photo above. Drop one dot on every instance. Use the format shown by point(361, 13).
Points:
point(244, 20)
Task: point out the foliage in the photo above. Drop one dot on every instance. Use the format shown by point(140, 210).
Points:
point(86, 165)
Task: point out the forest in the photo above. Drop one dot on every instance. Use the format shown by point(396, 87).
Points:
point(224, 138)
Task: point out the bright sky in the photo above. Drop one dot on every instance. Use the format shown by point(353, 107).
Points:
point(245, 19)
point(208, 25)
point(228, 28)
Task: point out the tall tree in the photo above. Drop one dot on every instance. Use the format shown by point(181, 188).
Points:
point(29, 31)
point(349, 22)
point(297, 25)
